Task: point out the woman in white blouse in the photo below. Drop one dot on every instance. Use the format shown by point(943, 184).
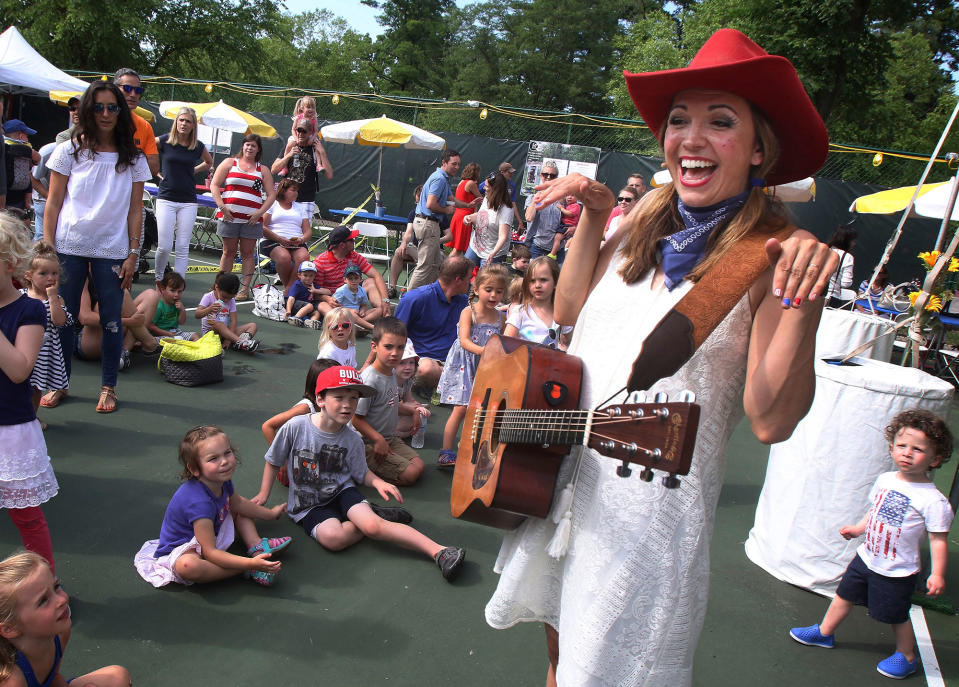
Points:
point(94, 218)
point(490, 239)
point(286, 233)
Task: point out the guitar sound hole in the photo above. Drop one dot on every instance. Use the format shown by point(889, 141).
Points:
point(497, 425)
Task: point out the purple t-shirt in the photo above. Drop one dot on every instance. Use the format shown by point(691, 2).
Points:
point(16, 400)
point(192, 501)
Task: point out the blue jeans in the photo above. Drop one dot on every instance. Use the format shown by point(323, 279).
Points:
point(105, 275)
point(38, 207)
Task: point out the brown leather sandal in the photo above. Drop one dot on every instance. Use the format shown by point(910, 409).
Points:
point(107, 393)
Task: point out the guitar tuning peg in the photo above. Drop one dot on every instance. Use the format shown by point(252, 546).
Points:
point(636, 397)
point(623, 470)
point(646, 475)
point(660, 397)
point(670, 481)
point(687, 396)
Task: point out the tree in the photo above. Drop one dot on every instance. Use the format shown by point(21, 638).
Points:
point(409, 57)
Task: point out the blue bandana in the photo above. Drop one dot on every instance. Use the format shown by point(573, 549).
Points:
point(683, 250)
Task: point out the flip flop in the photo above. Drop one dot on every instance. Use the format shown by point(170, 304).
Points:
point(109, 393)
point(52, 399)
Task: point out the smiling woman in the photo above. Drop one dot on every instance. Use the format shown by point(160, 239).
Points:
point(622, 591)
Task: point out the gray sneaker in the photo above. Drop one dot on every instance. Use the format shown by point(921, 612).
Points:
point(450, 560)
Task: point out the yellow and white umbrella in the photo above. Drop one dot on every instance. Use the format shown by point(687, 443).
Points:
point(931, 201)
point(219, 115)
point(383, 132)
point(63, 97)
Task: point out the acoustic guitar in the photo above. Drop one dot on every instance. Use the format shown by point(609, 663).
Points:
point(522, 419)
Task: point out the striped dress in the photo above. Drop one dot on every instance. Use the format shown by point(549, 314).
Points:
point(50, 372)
point(242, 192)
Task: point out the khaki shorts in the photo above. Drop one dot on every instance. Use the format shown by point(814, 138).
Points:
point(395, 462)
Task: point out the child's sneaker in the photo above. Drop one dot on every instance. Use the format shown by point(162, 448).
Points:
point(247, 345)
point(447, 458)
point(245, 336)
point(450, 560)
point(272, 545)
point(393, 514)
point(314, 324)
point(294, 320)
point(810, 636)
point(897, 667)
point(125, 361)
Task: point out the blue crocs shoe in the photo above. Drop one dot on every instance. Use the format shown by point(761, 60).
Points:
point(897, 667)
point(447, 458)
point(810, 636)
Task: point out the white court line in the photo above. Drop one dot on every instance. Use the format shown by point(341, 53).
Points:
point(930, 664)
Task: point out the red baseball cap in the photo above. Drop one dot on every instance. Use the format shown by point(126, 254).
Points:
point(342, 377)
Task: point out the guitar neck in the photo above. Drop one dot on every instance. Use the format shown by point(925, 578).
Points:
point(520, 426)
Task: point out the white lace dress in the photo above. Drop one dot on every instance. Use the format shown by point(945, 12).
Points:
point(629, 597)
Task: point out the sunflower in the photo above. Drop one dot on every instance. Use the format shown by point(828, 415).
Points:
point(953, 265)
point(930, 257)
point(934, 304)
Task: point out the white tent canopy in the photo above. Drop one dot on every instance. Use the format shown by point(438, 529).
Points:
point(24, 70)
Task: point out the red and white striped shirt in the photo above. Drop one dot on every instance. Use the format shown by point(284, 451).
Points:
point(242, 192)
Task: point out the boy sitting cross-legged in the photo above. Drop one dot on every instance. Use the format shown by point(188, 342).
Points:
point(324, 460)
point(377, 416)
point(303, 299)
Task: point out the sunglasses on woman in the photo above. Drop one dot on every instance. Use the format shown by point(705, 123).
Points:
point(345, 326)
point(302, 131)
point(127, 88)
point(625, 199)
point(548, 175)
point(112, 108)
point(73, 108)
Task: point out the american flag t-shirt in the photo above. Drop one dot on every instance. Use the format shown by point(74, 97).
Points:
point(885, 524)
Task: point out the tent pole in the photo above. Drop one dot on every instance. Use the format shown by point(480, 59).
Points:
point(951, 203)
point(905, 215)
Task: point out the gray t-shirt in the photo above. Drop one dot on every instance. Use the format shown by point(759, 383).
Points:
point(544, 226)
point(382, 410)
point(320, 465)
point(41, 172)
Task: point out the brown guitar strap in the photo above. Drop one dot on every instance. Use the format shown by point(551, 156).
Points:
point(684, 328)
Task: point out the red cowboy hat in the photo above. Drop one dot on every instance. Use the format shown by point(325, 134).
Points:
point(729, 61)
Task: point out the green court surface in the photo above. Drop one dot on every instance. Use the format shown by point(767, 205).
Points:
point(373, 614)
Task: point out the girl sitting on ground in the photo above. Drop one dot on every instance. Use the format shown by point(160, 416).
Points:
point(133, 325)
point(338, 339)
point(202, 518)
point(217, 310)
point(35, 627)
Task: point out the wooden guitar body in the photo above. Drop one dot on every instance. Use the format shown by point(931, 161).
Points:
point(497, 483)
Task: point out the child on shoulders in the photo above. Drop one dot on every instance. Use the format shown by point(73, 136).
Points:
point(325, 463)
point(884, 572)
point(202, 518)
point(377, 415)
point(217, 311)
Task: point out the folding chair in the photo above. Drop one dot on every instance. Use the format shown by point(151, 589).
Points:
point(370, 246)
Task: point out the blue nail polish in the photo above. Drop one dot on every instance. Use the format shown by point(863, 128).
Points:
point(785, 302)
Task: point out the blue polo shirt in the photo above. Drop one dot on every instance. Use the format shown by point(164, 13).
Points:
point(437, 185)
point(431, 319)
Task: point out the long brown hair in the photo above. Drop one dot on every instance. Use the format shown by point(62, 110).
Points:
point(85, 132)
point(658, 216)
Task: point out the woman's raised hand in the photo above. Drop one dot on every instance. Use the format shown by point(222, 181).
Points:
point(802, 266)
point(591, 193)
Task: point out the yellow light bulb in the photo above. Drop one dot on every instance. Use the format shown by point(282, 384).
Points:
point(877, 159)
point(208, 88)
point(484, 113)
point(335, 99)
